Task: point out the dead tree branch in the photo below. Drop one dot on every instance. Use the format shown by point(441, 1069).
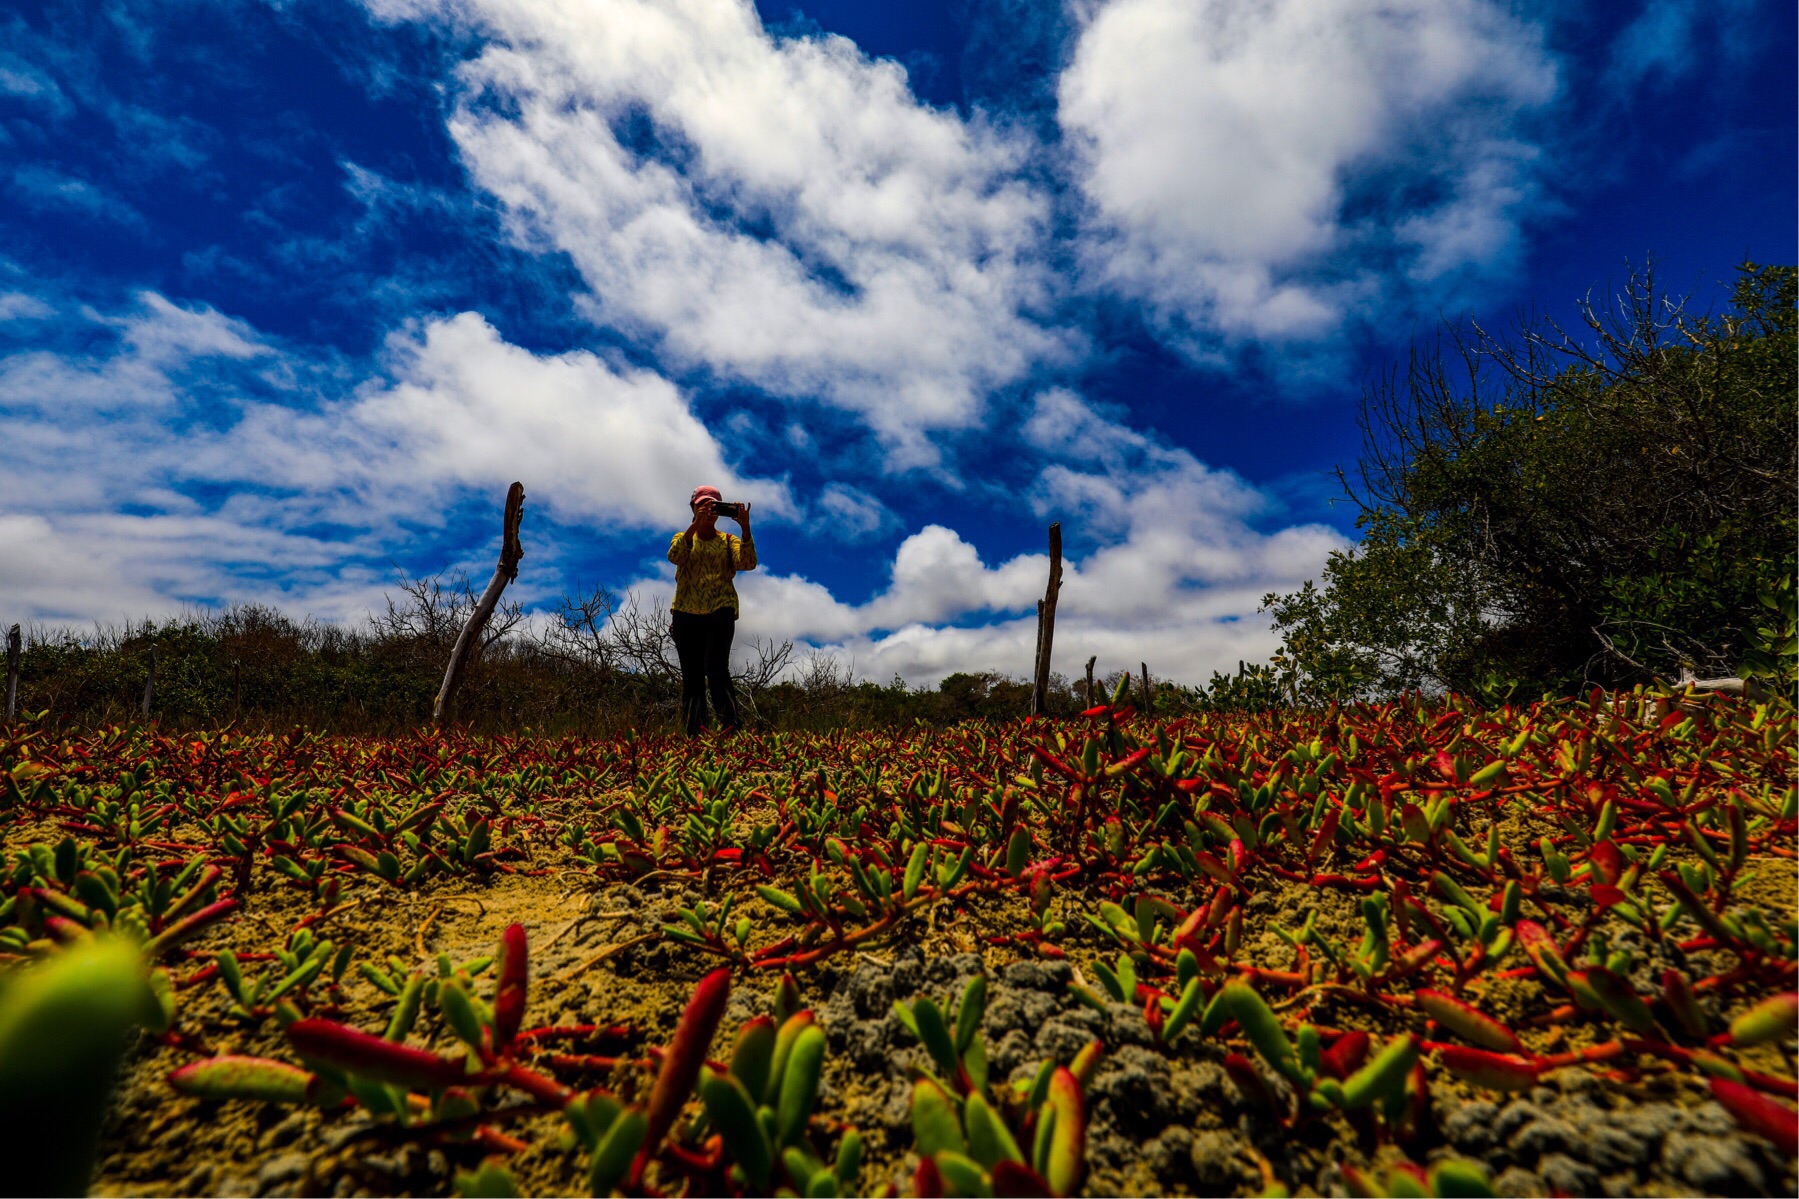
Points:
point(507, 570)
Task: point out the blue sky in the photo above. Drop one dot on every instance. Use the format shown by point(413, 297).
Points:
point(289, 292)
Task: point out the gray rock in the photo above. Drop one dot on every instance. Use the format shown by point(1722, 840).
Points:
point(1513, 1116)
point(1133, 1082)
point(1720, 1165)
point(1544, 1137)
point(1170, 1154)
point(1129, 1027)
point(869, 1043)
point(1039, 976)
point(280, 1168)
point(1205, 1084)
point(953, 972)
point(1215, 1159)
point(1615, 1147)
point(1006, 1054)
point(1035, 1007)
point(1061, 1040)
point(870, 990)
point(1709, 1118)
point(1648, 1122)
point(1516, 1181)
point(1579, 1081)
point(1568, 1176)
point(1469, 1126)
point(197, 1181)
point(283, 1132)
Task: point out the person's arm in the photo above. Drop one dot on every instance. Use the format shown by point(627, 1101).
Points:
point(746, 545)
point(681, 548)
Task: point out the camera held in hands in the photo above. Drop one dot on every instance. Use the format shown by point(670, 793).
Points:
point(724, 509)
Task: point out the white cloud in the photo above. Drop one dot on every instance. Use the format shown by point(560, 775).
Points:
point(108, 566)
point(852, 513)
point(187, 396)
point(782, 212)
point(469, 409)
point(17, 306)
point(1255, 168)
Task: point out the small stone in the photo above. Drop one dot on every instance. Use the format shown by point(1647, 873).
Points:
point(1005, 1055)
point(1134, 1083)
point(1516, 1181)
point(1710, 1118)
point(198, 1180)
point(1567, 1176)
point(1545, 1136)
point(1128, 1025)
point(871, 990)
point(1039, 976)
point(1061, 1040)
point(1514, 1116)
point(1719, 1165)
point(1647, 1122)
point(1469, 1126)
point(1168, 1154)
point(280, 1169)
point(953, 971)
point(283, 1132)
point(1613, 1147)
point(235, 1185)
point(1578, 1082)
point(1205, 1084)
point(1215, 1159)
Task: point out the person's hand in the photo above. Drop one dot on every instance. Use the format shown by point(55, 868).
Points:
point(703, 515)
point(743, 516)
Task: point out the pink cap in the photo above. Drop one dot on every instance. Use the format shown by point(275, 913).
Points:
point(704, 493)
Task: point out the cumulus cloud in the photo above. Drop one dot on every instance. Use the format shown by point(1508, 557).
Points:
point(1257, 170)
point(852, 513)
point(203, 431)
point(468, 408)
point(777, 211)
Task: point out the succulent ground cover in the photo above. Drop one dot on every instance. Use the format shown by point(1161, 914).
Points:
point(1420, 948)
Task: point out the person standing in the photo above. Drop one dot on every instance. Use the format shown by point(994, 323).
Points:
point(705, 608)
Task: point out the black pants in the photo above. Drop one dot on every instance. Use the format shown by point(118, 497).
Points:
point(703, 643)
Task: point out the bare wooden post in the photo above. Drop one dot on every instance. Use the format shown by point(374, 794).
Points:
point(1046, 622)
point(237, 688)
point(12, 674)
point(150, 681)
point(1149, 701)
point(1037, 654)
point(1090, 662)
point(510, 552)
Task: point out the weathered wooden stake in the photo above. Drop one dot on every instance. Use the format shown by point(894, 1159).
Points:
point(1037, 654)
point(1090, 662)
point(150, 681)
point(510, 552)
point(1149, 701)
point(13, 651)
point(1046, 622)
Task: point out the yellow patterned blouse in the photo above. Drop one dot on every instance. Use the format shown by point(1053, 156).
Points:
point(703, 573)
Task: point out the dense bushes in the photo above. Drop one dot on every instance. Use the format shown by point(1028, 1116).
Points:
point(1544, 511)
point(256, 666)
